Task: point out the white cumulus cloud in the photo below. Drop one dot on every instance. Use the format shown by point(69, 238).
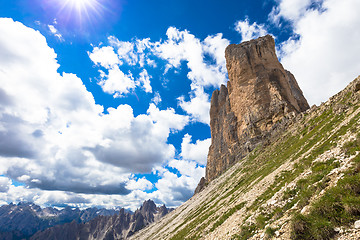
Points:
point(198, 107)
point(205, 60)
point(184, 46)
point(55, 32)
point(197, 151)
point(249, 31)
point(61, 144)
point(144, 81)
point(116, 82)
point(325, 50)
point(5, 183)
point(156, 99)
point(173, 189)
point(104, 56)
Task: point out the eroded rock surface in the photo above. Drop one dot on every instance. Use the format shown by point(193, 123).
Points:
point(249, 112)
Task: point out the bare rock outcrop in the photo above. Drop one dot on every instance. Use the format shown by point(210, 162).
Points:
point(259, 95)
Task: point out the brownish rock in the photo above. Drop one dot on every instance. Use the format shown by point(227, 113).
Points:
point(200, 185)
point(249, 112)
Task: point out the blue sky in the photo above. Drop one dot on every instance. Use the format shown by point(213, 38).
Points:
point(105, 103)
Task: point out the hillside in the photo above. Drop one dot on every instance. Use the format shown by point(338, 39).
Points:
point(304, 183)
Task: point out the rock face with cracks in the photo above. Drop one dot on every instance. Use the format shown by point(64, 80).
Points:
point(260, 93)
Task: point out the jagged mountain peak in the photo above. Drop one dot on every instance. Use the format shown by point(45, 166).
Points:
point(119, 226)
point(22, 220)
point(148, 206)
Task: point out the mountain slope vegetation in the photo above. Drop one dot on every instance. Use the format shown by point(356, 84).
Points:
point(304, 185)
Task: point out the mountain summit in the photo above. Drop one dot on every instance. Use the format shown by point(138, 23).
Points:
point(260, 93)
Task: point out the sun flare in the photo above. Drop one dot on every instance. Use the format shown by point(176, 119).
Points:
point(80, 10)
point(81, 5)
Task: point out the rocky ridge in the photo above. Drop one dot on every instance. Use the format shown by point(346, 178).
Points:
point(119, 226)
point(247, 113)
point(22, 220)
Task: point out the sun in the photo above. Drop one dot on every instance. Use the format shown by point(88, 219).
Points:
point(79, 12)
point(81, 5)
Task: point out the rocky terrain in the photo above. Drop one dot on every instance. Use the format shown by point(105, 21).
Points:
point(276, 169)
point(22, 220)
point(118, 226)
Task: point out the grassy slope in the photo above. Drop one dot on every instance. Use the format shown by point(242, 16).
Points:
point(301, 186)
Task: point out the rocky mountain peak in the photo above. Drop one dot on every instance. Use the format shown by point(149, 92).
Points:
point(250, 111)
point(148, 206)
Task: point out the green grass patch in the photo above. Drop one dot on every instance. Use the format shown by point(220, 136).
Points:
point(245, 233)
point(351, 147)
point(270, 232)
point(227, 215)
point(338, 207)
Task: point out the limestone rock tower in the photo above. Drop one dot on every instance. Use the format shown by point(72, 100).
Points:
point(260, 93)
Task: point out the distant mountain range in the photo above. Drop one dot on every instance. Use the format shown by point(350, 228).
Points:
point(24, 219)
point(118, 226)
point(30, 221)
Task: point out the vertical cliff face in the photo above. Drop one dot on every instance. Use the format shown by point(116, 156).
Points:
point(259, 95)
